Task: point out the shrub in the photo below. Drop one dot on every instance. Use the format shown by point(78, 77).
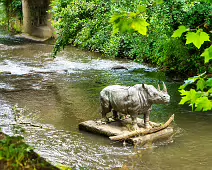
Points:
point(86, 24)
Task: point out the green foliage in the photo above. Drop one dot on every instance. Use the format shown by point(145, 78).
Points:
point(81, 23)
point(179, 31)
point(207, 54)
point(129, 22)
point(198, 16)
point(199, 94)
point(15, 154)
point(11, 14)
point(62, 167)
point(115, 29)
point(2, 15)
point(197, 38)
point(200, 97)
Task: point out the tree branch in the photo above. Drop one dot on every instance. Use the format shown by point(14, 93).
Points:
point(142, 132)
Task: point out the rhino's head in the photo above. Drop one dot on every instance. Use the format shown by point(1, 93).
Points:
point(156, 96)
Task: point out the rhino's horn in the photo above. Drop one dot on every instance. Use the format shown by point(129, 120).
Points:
point(164, 88)
point(158, 87)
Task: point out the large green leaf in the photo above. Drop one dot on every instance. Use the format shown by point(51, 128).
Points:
point(203, 103)
point(181, 29)
point(197, 38)
point(140, 25)
point(201, 84)
point(121, 23)
point(209, 82)
point(189, 97)
point(207, 54)
point(141, 8)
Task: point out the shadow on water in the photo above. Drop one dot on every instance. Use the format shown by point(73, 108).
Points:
point(11, 40)
point(59, 94)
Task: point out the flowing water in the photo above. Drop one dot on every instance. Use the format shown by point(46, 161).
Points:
point(58, 94)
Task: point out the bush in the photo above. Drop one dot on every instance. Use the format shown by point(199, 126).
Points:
point(86, 24)
point(11, 15)
point(15, 154)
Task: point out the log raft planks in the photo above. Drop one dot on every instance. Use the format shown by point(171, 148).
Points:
point(119, 130)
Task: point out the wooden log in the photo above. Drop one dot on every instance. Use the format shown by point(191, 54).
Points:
point(103, 129)
point(142, 132)
point(150, 138)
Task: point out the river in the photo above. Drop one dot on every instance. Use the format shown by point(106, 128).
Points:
point(57, 94)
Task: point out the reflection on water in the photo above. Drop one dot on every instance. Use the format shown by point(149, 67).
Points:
point(61, 93)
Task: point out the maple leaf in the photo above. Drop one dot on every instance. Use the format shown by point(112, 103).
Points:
point(201, 84)
point(140, 25)
point(209, 82)
point(203, 103)
point(207, 54)
point(189, 96)
point(197, 38)
point(181, 29)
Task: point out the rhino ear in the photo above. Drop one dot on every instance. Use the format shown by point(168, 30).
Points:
point(143, 86)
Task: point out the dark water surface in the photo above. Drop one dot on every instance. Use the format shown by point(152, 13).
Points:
point(59, 94)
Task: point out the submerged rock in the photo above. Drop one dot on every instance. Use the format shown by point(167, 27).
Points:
point(119, 67)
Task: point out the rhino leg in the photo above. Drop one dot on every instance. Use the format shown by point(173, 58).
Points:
point(115, 115)
point(105, 108)
point(146, 120)
point(134, 122)
point(104, 113)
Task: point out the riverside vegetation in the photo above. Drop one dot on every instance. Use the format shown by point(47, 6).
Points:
point(15, 154)
point(114, 28)
point(89, 25)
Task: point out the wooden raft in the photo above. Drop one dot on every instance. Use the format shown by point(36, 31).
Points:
point(119, 130)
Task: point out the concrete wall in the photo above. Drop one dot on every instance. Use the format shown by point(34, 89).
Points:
point(27, 27)
point(36, 18)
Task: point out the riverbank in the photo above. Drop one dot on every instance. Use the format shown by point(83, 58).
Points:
point(30, 37)
point(15, 154)
point(88, 25)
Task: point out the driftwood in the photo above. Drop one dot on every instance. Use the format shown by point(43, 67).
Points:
point(142, 132)
point(122, 128)
point(164, 134)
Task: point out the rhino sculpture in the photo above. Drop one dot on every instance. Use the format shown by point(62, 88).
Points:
point(132, 100)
